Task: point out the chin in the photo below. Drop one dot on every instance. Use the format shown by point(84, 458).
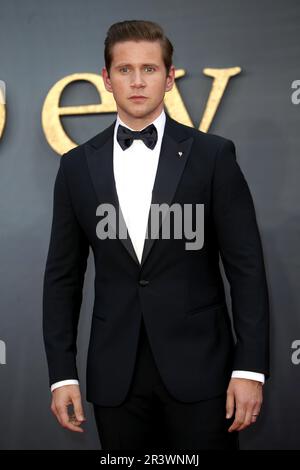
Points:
point(138, 112)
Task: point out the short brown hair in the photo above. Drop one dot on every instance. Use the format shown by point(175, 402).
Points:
point(137, 30)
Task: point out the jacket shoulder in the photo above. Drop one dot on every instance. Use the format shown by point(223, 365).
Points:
point(202, 138)
point(78, 153)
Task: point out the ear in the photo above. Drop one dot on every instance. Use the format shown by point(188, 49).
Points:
point(106, 80)
point(170, 79)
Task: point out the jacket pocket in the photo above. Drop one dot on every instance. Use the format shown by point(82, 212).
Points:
point(197, 310)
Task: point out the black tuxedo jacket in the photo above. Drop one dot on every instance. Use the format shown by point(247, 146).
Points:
point(179, 292)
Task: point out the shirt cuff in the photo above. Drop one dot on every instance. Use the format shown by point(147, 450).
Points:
point(245, 374)
point(62, 383)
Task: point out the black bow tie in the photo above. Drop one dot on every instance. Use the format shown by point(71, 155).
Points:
point(126, 136)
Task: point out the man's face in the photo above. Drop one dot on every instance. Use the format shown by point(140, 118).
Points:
point(138, 69)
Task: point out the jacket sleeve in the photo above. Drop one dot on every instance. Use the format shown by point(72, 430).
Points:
point(63, 282)
point(242, 256)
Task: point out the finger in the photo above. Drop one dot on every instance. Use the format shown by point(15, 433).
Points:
point(247, 419)
point(78, 410)
point(73, 421)
point(239, 418)
point(65, 420)
point(229, 405)
point(256, 412)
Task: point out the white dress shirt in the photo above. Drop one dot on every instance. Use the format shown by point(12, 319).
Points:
point(134, 172)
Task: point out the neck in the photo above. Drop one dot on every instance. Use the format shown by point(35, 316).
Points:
point(138, 123)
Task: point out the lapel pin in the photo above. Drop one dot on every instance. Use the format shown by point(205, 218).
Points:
point(179, 153)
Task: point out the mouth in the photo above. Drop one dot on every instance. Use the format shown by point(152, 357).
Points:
point(138, 98)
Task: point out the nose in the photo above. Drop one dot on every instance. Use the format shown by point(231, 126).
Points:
point(137, 80)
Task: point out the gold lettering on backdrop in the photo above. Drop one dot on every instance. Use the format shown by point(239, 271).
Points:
point(221, 78)
point(2, 118)
point(2, 108)
point(52, 111)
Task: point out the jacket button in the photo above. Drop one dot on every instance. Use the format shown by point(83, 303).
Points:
point(143, 282)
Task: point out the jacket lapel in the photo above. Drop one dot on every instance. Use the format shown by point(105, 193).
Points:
point(99, 154)
point(175, 148)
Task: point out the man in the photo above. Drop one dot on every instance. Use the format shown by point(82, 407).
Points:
point(161, 354)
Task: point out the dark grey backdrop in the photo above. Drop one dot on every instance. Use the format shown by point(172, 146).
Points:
point(41, 42)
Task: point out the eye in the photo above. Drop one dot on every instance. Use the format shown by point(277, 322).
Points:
point(149, 67)
point(123, 69)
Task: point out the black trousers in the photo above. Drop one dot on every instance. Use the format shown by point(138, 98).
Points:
point(151, 419)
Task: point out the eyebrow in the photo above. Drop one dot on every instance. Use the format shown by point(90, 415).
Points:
point(143, 65)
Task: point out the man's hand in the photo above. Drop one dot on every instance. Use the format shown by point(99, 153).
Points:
point(62, 397)
point(245, 396)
